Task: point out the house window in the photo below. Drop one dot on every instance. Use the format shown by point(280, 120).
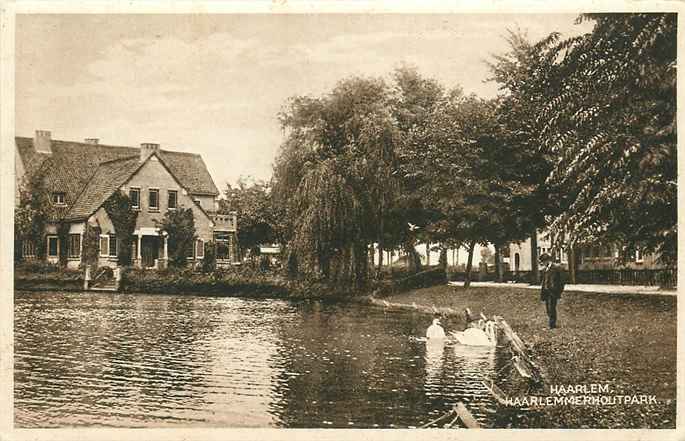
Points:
point(108, 245)
point(53, 246)
point(74, 245)
point(134, 194)
point(173, 199)
point(58, 198)
point(112, 245)
point(200, 249)
point(28, 248)
point(153, 199)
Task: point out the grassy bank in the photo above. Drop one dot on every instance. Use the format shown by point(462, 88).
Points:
point(239, 281)
point(229, 283)
point(625, 341)
point(43, 276)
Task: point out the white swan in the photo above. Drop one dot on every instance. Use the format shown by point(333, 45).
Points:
point(435, 331)
point(485, 335)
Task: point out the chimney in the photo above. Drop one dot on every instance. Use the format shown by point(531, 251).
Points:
point(146, 149)
point(42, 141)
point(92, 141)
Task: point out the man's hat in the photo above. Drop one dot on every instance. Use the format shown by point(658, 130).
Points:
point(544, 257)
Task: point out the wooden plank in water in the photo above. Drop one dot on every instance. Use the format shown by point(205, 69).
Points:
point(522, 367)
point(496, 392)
point(466, 417)
point(430, 423)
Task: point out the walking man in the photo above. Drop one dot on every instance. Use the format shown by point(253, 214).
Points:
point(552, 286)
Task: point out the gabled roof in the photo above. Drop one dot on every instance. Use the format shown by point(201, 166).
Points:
point(108, 177)
point(85, 171)
point(31, 159)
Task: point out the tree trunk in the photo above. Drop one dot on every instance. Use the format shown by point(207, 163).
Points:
point(442, 261)
point(381, 231)
point(360, 262)
point(417, 260)
point(413, 257)
point(379, 272)
point(325, 265)
point(534, 257)
point(428, 254)
point(498, 263)
point(469, 263)
point(346, 265)
point(571, 257)
point(363, 273)
point(370, 251)
point(292, 265)
point(443, 257)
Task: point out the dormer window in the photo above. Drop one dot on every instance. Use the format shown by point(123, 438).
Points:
point(58, 198)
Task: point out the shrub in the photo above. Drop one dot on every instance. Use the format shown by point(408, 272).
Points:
point(36, 266)
point(180, 226)
point(120, 210)
point(209, 261)
point(423, 279)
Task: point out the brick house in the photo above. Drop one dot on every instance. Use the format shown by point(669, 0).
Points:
point(81, 176)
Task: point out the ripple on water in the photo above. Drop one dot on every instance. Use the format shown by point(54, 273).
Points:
point(156, 361)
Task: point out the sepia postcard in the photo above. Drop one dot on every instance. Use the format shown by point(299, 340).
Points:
point(332, 220)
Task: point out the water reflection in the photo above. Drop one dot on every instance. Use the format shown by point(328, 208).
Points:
point(146, 360)
point(435, 349)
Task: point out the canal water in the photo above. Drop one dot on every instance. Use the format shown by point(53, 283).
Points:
point(85, 359)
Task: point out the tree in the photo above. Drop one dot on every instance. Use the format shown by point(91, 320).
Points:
point(414, 99)
point(91, 244)
point(120, 211)
point(30, 218)
point(179, 225)
point(209, 261)
point(333, 177)
point(456, 163)
point(612, 130)
point(523, 76)
point(251, 200)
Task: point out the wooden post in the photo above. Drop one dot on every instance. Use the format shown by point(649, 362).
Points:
point(117, 278)
point(534, 257)
point(466, 417)
point(86, 278)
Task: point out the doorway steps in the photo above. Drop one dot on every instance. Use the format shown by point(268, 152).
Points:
point(110, 284)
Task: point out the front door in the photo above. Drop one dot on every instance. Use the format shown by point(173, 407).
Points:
point(149, 250)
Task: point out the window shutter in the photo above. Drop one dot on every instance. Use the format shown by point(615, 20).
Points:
point(104, 245)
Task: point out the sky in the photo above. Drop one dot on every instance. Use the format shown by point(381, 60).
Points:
point(214, 84)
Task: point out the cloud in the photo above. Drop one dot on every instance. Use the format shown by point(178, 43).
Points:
point(218, 93)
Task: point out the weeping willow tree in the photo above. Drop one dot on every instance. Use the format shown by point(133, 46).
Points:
point(332, 230)
point(333, 179)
